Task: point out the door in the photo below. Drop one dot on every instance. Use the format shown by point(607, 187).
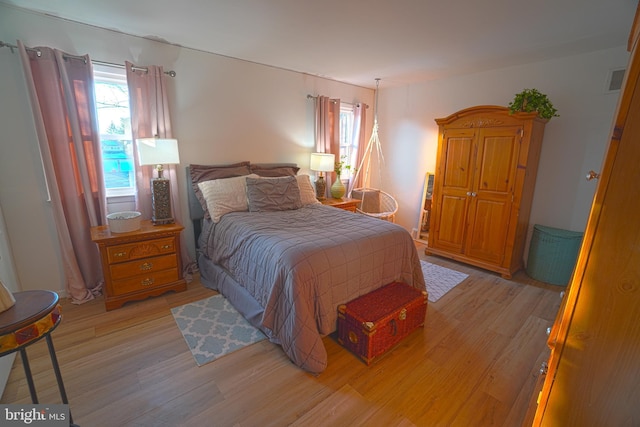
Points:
point(455, 169)
point(595, 343)
point(492, 194)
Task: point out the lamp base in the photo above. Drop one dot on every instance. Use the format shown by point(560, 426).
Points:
point(321, 188)
point(161, 202)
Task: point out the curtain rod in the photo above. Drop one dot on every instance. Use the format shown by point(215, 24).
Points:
point(333, 100)
point(170, 73)
point(316, 97)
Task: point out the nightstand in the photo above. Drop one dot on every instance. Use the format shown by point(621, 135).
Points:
point(344, 203)
point(141, 263)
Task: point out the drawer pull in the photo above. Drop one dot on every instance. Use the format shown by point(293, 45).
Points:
point(146, 266)
point(120, 254)
point(147, 282)
point(166, 246)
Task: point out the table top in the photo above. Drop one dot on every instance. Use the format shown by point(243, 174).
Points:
point(102, 233)
point(30, 306)
point(342, 201)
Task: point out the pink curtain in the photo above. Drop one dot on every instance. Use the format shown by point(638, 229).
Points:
point(327, 131)
point(150, 117)
point(61, 88)
point(359, 131)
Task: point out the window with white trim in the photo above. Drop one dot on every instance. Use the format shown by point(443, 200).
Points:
point(114, 121)
point(348, 144)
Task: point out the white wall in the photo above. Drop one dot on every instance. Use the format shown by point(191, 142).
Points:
point(573, 144)
point(223, 110)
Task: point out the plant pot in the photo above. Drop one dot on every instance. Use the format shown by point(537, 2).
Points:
point(338, 189)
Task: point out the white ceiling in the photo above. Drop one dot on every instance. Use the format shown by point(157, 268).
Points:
point(357, 41)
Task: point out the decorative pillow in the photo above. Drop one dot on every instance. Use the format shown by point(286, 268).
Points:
point(201, 173)
point(274, 170)
point(273, 194)
point(225, 195)
point(307, 192)
point(370, 199)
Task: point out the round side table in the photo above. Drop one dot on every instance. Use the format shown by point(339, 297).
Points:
point(33, 317)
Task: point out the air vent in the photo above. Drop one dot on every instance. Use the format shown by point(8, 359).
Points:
point(614, 82)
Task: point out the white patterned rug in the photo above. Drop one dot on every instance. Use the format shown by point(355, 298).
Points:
point(212, 328)
point(440, 280)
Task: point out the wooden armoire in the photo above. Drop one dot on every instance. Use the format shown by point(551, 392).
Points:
point(485, 175)
point(593, 373)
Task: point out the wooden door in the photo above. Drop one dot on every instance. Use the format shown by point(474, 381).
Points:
point(455, 169)
point(492, 192)
point(594, 368)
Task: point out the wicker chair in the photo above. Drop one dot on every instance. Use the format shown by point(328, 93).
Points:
point(376, 203)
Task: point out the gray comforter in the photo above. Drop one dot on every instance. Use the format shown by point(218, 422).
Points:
point(299, 265)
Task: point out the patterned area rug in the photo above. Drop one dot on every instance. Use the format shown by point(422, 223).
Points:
point(440, 280)
point(212, 328)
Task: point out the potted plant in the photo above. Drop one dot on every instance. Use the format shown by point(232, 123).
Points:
point(338, 189)
point(530, 100)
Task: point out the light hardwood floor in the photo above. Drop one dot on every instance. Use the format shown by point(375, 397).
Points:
point(475, 363)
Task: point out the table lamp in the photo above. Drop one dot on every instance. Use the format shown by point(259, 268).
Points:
point(159, 152)
point(322, 162)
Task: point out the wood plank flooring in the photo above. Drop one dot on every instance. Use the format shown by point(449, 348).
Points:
point(475, 363)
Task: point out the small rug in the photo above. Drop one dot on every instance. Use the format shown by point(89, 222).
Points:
point(212, 328)
point(440, 280)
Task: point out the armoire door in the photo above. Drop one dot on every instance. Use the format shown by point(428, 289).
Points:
point(455, 184)
point(492, 193)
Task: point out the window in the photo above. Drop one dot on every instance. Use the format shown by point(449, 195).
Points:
point(348, 143)
point(114, 121)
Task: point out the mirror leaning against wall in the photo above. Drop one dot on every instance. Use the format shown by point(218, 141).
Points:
point(425, 209)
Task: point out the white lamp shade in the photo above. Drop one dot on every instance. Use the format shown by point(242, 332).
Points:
point(158, 151)
point(322, 162)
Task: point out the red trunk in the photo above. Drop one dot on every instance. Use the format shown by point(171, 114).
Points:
point(374, 323)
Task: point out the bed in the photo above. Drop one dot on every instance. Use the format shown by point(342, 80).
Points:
point(284, 260)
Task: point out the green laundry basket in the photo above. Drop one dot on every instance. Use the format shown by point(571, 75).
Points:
point(552, 254)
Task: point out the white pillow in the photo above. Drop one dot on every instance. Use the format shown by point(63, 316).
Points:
point(225, 195)
point(307, 192)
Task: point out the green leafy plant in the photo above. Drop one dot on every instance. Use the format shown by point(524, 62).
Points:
point(341, 165)
point(530, 100)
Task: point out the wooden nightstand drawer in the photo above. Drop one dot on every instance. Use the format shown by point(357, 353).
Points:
point(139, 264)
point(143, 266)
point(143, 282)
point(139, 250)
